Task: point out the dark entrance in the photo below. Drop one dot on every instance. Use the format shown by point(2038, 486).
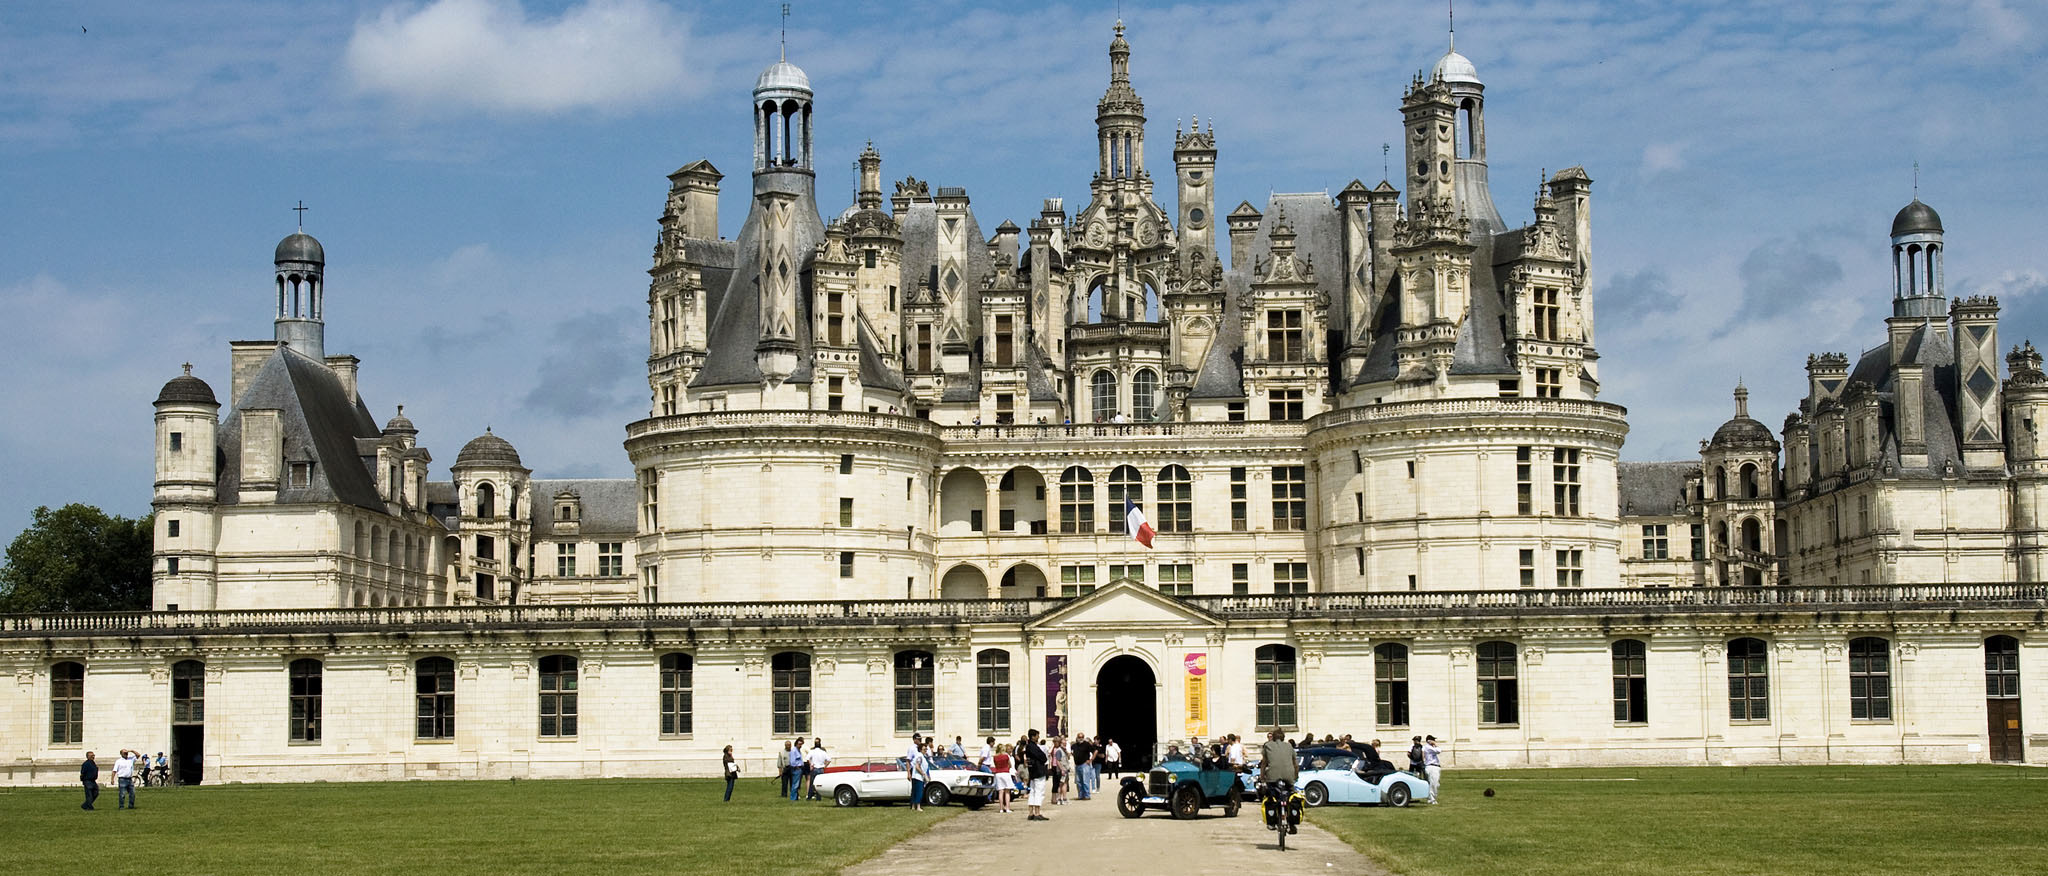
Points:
point(1127, 709)
point(2002, 698)
point(188, 721)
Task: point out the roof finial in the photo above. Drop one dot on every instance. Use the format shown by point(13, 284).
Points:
point(1451, 11)
point(1916, 179)
point(1741, 398)
point(302, 208)
point(1385, 148)
point(785, 40)
point(188, 367)
point(401, 410)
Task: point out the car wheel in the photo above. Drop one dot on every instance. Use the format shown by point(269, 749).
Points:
point(1187, 801)
point(936, 795)
point(1398, 795)
point(1316, 794)
point(1130, 802)
point(1233, 803)
point(846, 796)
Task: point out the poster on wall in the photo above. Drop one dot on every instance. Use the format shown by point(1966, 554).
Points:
point(1055, 694)
point(1198, 693)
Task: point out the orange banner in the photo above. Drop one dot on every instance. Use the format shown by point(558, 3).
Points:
point(1198, 694)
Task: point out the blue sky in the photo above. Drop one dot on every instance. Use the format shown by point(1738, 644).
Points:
point(486, 175)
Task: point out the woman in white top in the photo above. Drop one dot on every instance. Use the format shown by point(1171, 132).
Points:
point(920, 773)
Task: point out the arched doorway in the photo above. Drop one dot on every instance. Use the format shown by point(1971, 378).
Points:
point(1127, 709)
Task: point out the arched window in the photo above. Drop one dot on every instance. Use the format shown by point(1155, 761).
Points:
point(67, 704)
point(1077, 500)
point(1752, 535)
point(1749, 481)
point(188, 692)
point(1631, 682)
point(557, 696)
point(305, 700)
point(1124, 484)
point(1749, 680)
point(376, 553)
point(790, 680)
point(1390, 683)
point(914, 699)
point(434, 695)
point(1274, 686)
point(677, 674)
point(391, 551)
point(486, 501)
point(1870, 679)
point(1500, 698)
point(1176, 506)
point(1102, 395)
point(1144, 386)
point(362, 541)
point(1720, 482)
point(992, 691)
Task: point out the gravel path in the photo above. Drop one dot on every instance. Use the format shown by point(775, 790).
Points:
point(1090, 837)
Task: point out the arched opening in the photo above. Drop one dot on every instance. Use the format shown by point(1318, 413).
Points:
point(1749, 481)
point(1022, 493)
point(1102, 396)
point(1144, 389)
point(963, 498)
point(1720, 482)
point(1023, 581)
point(1467, 145)
point(1125, 485)
point(377, 544)
point(1752, 535)
point(1096, 297)
point(1127, 709)
point(963, 582)
point(1913, 275)
point(486, 501)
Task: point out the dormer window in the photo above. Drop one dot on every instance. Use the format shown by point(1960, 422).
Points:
point(302, 474)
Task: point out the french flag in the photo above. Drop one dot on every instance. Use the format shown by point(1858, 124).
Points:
point(1134, 522)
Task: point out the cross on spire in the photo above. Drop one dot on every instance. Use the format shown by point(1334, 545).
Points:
point(1451, 11)
point(785, 31)
point(301, 210)
point(1916, 179)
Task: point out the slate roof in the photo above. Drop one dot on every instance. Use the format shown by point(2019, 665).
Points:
point(321, 425)
point(1653, 489)
point(609, 505)
point(1936, 353)
point(736, 321)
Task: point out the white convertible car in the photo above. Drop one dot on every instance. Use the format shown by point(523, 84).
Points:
point(1342, 779)
point(888, 781)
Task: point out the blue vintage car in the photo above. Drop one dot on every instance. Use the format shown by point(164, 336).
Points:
point(1345, 778)
point(1182, 787)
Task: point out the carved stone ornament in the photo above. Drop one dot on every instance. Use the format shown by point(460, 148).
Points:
point(949, 663)
point(215, 672)
point(1711, 652)
point(1037, 641)
point(1909, 650)
point(593, 668)
point(1077, 640)
point(878, 665)
point(1787, 649)
point(160, 674)
point(1126, 642)
point(470, 670)
point(1174, 640)
point(755, 664)
point(394, 671)
point(1460, 655)
point(24, 676)
point(827, 665)
point(1312, 659)
point(1533, 655)
point(521, 669)
point(1834, 650)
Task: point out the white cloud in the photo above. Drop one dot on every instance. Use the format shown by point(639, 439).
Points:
point(491, 55)
point(1660, 157)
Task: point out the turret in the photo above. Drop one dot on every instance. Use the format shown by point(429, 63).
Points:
point(187, 469)
point(301, 295)
point(491, 485)
point(1194, 163)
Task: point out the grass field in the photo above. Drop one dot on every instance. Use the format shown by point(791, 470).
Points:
point(1812, 821)
point(611, 828)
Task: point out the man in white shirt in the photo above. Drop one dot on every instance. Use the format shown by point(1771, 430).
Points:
point(986, 762)
point(818, 760)
point(1432, 766)
point(916, 746)
point(1235, 754)
point(1113, 758)
point(124, 776)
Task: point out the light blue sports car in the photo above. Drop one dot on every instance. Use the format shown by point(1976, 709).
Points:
point(1345, 779)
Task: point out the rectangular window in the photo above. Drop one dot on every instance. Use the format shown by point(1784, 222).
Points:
point(1656, 541)
point(1240, 579)
point(1358, 499)
point(67, 704)
point(1390, 684)
point(1499, 693)
point(1357, 462)
point(1239, 504)
point(1862, 515)
point(846, 564)
point(171, 565)
point(1564, 482)
point(1077, 501)
point(1077, 580)
point(650, 495)
point(1510, 388)
point(1284, 404)
point(1870, 679)
point(992, 692)
point(1290, 497)
point(1176, 500)
point(171, 528)
point(1284, 337)
point(1749, 683)
point(302, 475)
point(1290, 578)
point(1549, 383)
point(1545, 307)
point(835, 393)
point(1699, 541)
point(557, 697)
point(677, 676)
point(1005, 330)
point(1525, 480)
point(790, 687)
point(565, 560)
point(835, 319)
point(1177, 579)
point(916, 703)
point(1631, 682)
point(1274, 686)
point(1135, 572)
point(1571, 571)
point(1527, 562)
point(1360, 554)
point(611, 559)
point(924, 347)
point(434, 687)
point(868, 258)
point(177, 441)
point(1233, 412)
point(304, 696)
point(845, 511)
point(846, 467)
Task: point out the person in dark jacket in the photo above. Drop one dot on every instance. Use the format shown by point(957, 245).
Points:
point(1415, 757)
point(89, 775)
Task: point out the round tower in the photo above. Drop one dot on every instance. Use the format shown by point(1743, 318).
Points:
point(491, 489)
point(2026, 419)
point(1916, 263)
point(1740, 464)
point(301, 295)
point(187, 468)
point(782, 119)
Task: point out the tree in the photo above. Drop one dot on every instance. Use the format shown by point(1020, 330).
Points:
point(78, 558)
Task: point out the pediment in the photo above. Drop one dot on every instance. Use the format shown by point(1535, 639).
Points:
point(1124, 604)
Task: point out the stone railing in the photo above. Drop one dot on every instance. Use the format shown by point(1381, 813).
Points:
point(809, 419)
point(1124, 431)
point(1450, 407)
point(2029, 595)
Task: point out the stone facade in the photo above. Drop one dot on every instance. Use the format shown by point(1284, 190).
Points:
point(891, 457)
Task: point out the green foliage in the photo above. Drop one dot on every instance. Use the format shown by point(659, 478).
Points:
point(449, 828)
point(78, 558)
point(1706, 821)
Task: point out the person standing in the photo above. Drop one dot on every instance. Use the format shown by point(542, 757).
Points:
point(124, 780)
point(1416, 759)
point(89, 776)
point(1005, 782)
point(920, 767)
point(1040, 771)
point(987, 761)
point(794, 763)
point(732, 773)
point(817, 762)
point(1234, 753)
point(782, 768)
point(1113, 758)
point(959, 749)
point(1433, 765)
point(1084, 760)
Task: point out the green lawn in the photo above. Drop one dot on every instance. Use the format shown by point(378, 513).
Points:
point(1811, 821)
point(610, 828)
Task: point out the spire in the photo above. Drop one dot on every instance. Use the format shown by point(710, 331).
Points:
point(1450, 11)
point(1741, 399)
point(785, 31)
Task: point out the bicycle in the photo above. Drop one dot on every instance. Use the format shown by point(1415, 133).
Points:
point(1281, 804)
